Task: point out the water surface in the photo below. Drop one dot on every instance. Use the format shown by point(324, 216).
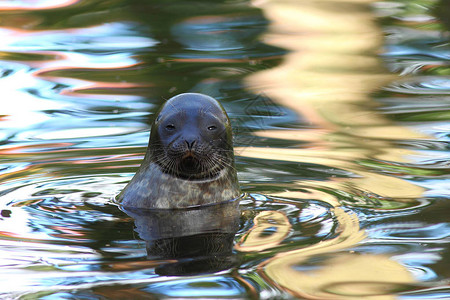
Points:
point(340, 113)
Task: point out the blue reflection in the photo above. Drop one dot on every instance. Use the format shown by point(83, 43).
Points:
point(213, 286)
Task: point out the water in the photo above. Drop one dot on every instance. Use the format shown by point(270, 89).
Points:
point(340, 112)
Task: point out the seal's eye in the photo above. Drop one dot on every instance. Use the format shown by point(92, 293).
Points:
point(212, 127)
point(170, 127)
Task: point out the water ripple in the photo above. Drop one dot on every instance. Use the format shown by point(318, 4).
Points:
point(426, 85)
point(357, 180)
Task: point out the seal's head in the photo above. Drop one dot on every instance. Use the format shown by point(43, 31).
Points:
point(191, 138)
point(189, 160)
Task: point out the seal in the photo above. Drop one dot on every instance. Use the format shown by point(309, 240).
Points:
point(189, 160)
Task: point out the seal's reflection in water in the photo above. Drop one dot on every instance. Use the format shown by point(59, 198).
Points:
point(200, 238)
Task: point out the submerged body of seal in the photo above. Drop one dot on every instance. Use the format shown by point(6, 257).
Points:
point(189, 159)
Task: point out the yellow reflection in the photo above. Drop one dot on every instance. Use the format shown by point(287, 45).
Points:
point(386, 186)
point(256, 240)
point(339, 274)
point(328, 78)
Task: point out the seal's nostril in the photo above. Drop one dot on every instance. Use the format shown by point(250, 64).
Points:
point(190, 144)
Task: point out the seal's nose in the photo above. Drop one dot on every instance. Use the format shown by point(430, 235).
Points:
point(190, 143)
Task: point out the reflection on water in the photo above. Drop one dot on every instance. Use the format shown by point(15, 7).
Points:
point(340, 110)
point(200, 238)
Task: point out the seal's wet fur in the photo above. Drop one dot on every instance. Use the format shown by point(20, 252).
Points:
point(189, 160)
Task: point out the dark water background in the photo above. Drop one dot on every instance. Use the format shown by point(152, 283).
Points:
point(341, 120)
